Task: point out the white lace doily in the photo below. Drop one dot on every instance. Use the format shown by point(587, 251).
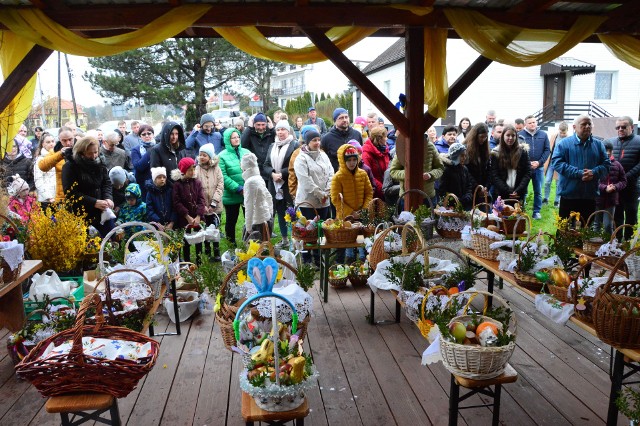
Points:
point(452, 223)
point(12, 252)
point(379, 281)
point(302, 300)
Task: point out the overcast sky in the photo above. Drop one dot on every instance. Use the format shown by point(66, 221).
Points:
point(366, 50)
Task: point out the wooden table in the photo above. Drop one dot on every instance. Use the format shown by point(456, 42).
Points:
point(325, 262)
point(252, 413)
point(621, 358)
point(12, 314)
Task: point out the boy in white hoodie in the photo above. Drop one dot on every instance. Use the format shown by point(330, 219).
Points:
point(258, 203)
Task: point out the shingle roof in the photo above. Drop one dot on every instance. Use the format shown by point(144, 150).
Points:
point(393, 55)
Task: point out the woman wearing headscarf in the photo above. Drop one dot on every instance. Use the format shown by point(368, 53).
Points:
point(276, 173)
point(141, 157)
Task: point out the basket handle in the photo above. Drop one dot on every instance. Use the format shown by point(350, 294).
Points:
point(376, 207)
point(405, 232)
point(425, 252)
point(145, 225)
point(524, 217)
point(593, 215)
point(78, 328)
point(181, 268)
point(445, 199)
point(10, 222)
point(615, 269)
point(529, 240)
point(574, 280)
point(242, 265)
point(109, 300)
point(484, 193)
point(473, 211)
point(266, 245)
point(306, 203)
point(410, 191)
point(615, 232)
point(426, 296)
point(474, 293)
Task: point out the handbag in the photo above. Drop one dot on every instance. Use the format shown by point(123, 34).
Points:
point(48, 284)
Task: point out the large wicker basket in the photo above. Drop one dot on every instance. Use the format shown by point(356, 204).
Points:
point(615, 310)
point(378, 253)
point(591, 247)
point(482, 242)
point(77, 372)
point(227, 313)
point(428, 224)
point(478, 362)
point(309, 236)
point(441, 227)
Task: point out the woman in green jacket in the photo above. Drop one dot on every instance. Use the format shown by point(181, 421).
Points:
point(232, 196)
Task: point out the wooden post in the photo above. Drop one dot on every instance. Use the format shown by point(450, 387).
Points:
point(414, 149)
point(22, 73)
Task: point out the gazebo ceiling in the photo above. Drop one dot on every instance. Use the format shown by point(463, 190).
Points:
point(96, 18)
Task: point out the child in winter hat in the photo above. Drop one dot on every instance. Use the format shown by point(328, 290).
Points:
point(21, 204)
point(188, 202)
point(133, 209)
point(160, 212)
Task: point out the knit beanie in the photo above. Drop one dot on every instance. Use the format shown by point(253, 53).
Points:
point(249, 161)
point(260, 118)
point(133, 190)
point(356, 144)
point(350, 152)
point(311, 135)
point(361, 121)
point(158, 171)
point(308, 127)
point(455, 151)
point(185, 164)
point(283, 124)
point(207, 118)
point(117, 175)
point(18, 184)
point(338, 111)
point(208, 149)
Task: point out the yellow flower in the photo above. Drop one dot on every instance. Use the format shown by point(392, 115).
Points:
point(298, 214)
point(287, 218)
point(242, 277)
point(279, 275)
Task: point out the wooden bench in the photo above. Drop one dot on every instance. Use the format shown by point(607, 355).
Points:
point(479, 386)
point(78, 404)
point(252, 413)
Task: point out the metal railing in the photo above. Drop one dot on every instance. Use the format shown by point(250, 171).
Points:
point(568, 111)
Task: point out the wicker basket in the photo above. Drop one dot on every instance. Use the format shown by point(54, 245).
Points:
point(188, 268)
point(441, 228)
point(8, 275)
point(333, 280)
point(425, 325)
point(482, 242)
point(77, 372)
point(483, 191)
point(514, 227)
point(378, 253)
point(615, 310)
point(227, 313)
point(356, 278)
point(477, 362)
point(309, 236)
point(526, 280)
point(591, 247)
point(428, 224)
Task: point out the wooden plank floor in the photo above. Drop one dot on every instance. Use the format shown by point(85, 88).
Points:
point(370, 375)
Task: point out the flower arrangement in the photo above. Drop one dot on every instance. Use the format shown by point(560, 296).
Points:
point(252, 251)
point(57, 236)
point(301, 225)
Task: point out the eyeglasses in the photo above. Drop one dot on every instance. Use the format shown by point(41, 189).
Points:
point(146, 134)
point(621, 127)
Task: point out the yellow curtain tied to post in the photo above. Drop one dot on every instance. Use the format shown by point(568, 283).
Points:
point(515, 46)
point(624, 47)
point(253, 42)
point(436, 86)
point(35, 26)
point(12, 50)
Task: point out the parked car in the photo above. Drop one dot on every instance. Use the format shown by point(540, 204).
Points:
point(225, 116)
point(110, 126)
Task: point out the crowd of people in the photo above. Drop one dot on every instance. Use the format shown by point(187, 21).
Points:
point(260, 168)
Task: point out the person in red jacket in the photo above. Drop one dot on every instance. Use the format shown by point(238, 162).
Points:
point(188, 202)
point(375, 154)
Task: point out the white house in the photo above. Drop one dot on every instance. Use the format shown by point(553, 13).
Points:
point(587, 76)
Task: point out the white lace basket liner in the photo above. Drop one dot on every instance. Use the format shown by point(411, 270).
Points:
point(229, 259)
point(478, 362)
point(613, 248)
point(279, 398)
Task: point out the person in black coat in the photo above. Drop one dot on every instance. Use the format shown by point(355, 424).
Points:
point(85, 178)
point(170, 150)
point(478, 158)
point(510, 167)
point(15, 163)
point(456, 178)
point(258, 139)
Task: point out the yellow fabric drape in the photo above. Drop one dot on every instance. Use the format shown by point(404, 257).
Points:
point(35, 26)
point(513, 45)
point(436, 86)
point(624, 47)
point(253, 42)
point(12, 50)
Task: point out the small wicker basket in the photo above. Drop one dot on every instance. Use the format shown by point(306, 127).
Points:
point(482, 242)
point(309, 236)
point(526, 280)
point(591, 247)
point(477, 362)
point(335, 281)
point(428, 224)
point(378, 253)
point(513, 227)
point(358, 277)
point(441, 228)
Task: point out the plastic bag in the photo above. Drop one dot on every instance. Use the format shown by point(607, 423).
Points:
point(48, 284)
point(550, 307)
point(205, 306)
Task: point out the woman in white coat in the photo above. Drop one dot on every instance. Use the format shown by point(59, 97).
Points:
point(314, 172)
point(45, 181)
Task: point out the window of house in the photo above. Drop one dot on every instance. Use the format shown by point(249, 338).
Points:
point(604, 85)
point(387, 88)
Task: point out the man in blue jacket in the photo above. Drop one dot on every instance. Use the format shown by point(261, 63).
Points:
point(539, 151)
point(205, 134)
point(581, 161)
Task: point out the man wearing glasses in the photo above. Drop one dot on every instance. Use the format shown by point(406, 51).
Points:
point(338, 135)
point(626, 149)
point(204, 134)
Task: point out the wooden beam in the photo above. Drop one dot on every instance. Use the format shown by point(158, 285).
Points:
point(414, 144)
point(461, 84)
point(532, 6)
point(352, 72)
point(22, 73)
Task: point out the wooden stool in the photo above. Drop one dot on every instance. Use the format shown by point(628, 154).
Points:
point(479, 386)
point(252, 413)
point(77, 404)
